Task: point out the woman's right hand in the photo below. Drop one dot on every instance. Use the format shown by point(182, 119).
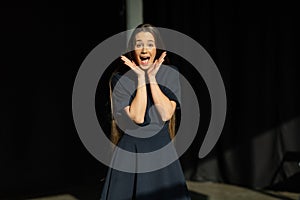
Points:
point(139, 72)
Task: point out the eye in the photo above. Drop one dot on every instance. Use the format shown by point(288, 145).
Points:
point(138, 45)
point(151, 45)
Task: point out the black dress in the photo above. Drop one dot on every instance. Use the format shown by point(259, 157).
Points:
point(165, 183)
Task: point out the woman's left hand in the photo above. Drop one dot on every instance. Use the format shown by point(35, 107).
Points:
point(152, 71)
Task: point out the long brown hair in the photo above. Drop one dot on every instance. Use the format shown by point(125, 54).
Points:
point(116, 132)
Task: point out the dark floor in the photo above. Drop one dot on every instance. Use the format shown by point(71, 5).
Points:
point(198, 190)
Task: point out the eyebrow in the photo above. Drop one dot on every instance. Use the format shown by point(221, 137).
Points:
point(147, 40)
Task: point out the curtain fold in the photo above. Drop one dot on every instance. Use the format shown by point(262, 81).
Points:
point(254, 46)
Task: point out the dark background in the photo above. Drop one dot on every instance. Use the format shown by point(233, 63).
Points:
point(254, 44)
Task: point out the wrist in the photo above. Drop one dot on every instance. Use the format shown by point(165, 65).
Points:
point(141, 81)
point(141, 77)
point(152, 80)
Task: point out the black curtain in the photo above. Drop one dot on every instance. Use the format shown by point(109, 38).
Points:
point(254, 45)
point(43, 45)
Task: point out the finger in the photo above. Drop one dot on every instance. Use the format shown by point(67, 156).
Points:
point(161, 61)
point(155, 64)
point(151, 68)
point(124, 58)
point(162, 56)
point(127, 62)
point(133, 63)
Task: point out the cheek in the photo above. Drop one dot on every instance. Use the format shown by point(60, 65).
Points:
point(137, 53)
point(153, 52)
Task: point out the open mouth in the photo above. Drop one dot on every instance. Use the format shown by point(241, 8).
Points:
point(144, 60)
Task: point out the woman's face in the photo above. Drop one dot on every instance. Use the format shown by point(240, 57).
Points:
point(145, 49)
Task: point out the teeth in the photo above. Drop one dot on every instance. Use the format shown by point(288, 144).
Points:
point(145, 62)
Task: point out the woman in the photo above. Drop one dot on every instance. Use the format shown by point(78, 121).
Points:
point(144, 98)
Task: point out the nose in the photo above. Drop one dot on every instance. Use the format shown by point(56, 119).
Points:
point(144, 50)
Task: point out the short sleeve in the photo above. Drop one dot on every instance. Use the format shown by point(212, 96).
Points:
point(121, 95)
point(123, 91)
point(169, 82)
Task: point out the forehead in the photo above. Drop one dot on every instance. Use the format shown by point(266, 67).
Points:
point(144, 36)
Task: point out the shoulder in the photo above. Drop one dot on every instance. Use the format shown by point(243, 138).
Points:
point(115, 78)
point(121, 80)
point(173, 67)
point(166, 69)
point(168, 72)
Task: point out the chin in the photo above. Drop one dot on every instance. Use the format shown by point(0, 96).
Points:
point(144, 67)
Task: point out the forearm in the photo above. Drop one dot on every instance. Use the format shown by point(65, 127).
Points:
point(137, 109)
point(164, 105)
